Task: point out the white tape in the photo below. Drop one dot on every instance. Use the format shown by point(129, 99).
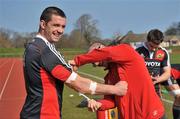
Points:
point(92, 87)
point(175, 92)
point(72, 77)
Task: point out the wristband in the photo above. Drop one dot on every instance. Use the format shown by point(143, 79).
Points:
point(92, 87)
point(72, 77)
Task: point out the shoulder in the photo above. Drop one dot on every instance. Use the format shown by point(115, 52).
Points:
point(164, 49)
point(36, 46)
point(162, 53)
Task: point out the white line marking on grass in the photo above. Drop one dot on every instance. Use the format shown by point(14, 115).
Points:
point(167, 101)
point(7, 78)
point(96, 77)
point(90, 75)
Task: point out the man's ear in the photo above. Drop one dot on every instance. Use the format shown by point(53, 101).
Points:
point(42, 24)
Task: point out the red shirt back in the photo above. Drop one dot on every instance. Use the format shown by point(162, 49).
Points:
point(141, 100)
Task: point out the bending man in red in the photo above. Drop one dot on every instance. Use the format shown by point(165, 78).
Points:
point(141, 100)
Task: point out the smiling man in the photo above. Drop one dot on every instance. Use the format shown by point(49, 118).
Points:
point(46, 71)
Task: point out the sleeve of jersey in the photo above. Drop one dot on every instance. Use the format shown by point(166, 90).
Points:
point(91, 57)
point(61, 73)
point(120, 53)
point(56, 66)
point(107, 103)
point(166, 61)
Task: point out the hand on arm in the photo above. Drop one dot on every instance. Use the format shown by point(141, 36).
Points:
point(164, 76)
point(155, 79)
point(107, 103)
point(73, 64)
point(122, 87)
point(93, 105)
point(104, 104)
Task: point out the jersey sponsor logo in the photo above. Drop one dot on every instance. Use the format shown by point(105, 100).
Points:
point(152, 64)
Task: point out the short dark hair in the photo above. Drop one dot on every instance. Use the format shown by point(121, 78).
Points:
point(49, 11)
point(155, 36)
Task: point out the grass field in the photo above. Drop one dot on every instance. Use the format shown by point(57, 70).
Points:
point(70, 109)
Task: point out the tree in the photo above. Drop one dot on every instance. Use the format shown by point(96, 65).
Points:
point(174, 29)
point(5, 36)
point(64, 42)
point(76, 39)
point(87, 27)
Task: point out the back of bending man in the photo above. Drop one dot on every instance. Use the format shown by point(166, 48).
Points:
point(141, 100)
point(46, 71)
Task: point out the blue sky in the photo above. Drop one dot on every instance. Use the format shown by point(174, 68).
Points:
point(113, 16)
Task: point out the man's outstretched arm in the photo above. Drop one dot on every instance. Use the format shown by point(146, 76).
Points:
point(85, 85)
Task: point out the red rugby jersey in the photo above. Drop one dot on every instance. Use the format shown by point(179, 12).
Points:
point(141, 100)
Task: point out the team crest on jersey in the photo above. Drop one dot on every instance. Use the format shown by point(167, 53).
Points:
point(160, 55)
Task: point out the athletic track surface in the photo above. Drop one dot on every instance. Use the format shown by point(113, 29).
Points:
point(12, 88)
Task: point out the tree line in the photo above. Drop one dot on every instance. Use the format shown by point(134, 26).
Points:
point(84, 33)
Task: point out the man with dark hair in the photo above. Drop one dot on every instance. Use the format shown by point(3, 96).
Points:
point(46, 71)
point(156, 58)
point(125, 64)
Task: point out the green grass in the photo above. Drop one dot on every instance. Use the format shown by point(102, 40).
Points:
point(70, 109)
point(175, 58)
point(175, 55)
point(11, 52)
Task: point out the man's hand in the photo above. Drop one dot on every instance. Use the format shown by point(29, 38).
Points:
point(155, 79)
point(93, 105)
point(122, 87)
point(73, 64)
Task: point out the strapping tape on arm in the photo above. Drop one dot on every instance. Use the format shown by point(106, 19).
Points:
point(92, 87)
point(72, 77)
